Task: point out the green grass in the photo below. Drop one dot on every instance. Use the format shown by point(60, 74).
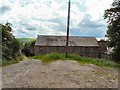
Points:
point(99, 62)
point(9, 62)
point(55, 56)
point(84, 60)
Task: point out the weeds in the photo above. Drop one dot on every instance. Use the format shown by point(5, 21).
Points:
point(56, 56)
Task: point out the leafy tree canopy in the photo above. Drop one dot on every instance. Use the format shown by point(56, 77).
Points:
point(10, 45)
point(113, 32)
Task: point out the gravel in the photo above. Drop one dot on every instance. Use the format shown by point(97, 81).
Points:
point(58, 74)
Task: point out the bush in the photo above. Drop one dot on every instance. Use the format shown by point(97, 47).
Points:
point(6, 62)
point(116, 55)
point(10, 45)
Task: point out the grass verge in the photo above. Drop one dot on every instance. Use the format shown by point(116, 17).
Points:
point(9, 62)
point(55, 56)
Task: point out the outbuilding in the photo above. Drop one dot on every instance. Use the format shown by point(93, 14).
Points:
point(84, 46)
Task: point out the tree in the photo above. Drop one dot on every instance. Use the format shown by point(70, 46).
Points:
point(113, 32)
point(10, 45)
point(28, 49)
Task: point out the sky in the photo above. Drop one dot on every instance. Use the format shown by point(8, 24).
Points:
point(30, 18)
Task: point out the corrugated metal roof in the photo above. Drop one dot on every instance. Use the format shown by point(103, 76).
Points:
point(43, 40)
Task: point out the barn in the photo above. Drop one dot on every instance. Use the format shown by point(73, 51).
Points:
point(83, 46)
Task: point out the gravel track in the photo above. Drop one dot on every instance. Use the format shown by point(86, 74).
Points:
point(58, 74)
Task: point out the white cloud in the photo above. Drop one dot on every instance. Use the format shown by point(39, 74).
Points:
point(50, 17)
point(96, 8)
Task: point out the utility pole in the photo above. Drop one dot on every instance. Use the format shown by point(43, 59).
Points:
point(68, 22)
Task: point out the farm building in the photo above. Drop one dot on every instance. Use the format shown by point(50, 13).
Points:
point(84, 46)
point(105, 51)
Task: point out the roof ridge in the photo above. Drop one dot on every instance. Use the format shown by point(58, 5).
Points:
point(66, 36)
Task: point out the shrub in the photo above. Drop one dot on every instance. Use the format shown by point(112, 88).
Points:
point(12, 61)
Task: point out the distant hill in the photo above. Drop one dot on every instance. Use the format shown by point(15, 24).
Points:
point(26, 40)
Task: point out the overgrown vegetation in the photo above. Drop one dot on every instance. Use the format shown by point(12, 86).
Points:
point(113, 33)
point(56, 56)
point(24, 41)
point(28, 48)
point(10, 45)
point(18, 59)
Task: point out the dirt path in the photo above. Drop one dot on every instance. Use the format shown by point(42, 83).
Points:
point(58, 74)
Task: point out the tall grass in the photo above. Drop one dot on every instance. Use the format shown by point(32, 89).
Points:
point(56, 56)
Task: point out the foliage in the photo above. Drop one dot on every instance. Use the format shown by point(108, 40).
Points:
point(24, 41)
point(28, 48)
point(113, 33)
point(10, 45)
point(56, 56)
point(18, 59)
